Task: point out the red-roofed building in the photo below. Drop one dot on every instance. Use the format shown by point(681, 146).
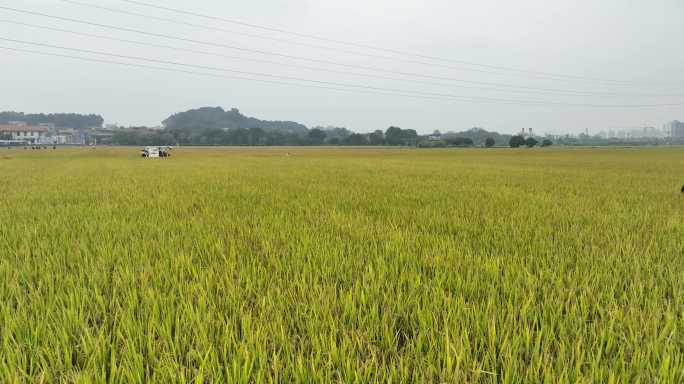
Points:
point(28, 133)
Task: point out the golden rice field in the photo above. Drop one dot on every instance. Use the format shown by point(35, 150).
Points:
point(342, 265)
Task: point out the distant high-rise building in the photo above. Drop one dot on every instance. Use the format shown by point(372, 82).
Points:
point(526, 132)
point(676, 129)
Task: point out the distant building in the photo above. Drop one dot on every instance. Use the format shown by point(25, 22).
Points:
point(676, 129)
point(526, 133)
point(27, 133)
point(68, 136)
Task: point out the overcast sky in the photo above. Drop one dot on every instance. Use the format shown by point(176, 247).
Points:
point(636, 42)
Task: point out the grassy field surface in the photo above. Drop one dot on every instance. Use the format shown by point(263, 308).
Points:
point(342, 265)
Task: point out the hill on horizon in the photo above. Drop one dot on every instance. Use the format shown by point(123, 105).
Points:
point(479, 135)
point(218, 118)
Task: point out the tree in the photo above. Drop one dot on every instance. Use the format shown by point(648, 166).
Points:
point(316, 136)
point(356, 139)
point(409, 136)
point(257, 136)
point(239, 136)
point(376, 138)
point(398, 136)
point(517, 141)
point(393, 136)
point(490, 142)
point(531, 142)
point(547, 143)
point(335, 135)
point(459, 141)
point(276, 138)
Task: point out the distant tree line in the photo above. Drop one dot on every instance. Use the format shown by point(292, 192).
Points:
point(60, 120)
point(319, 136)
point(216, 126)
point(258, 136)
point(530, 142)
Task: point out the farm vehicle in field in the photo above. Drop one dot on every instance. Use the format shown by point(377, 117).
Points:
point(154, 152)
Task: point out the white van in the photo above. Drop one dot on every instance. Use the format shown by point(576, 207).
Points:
point(150, 152)
point(156, 152)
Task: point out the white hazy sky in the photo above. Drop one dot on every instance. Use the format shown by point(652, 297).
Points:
point(637, 41)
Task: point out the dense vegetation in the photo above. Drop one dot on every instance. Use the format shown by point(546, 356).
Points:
point(217, 118)
point(351, 265)
point(60, 120)
point(218, 127)
point(215, 126)
point(393, 136)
